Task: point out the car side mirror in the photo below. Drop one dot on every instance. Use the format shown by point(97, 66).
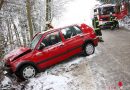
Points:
point(42, 45)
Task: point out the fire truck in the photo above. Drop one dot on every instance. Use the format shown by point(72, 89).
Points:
point(103, 12)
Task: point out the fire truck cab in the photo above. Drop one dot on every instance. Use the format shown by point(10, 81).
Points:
point(103, 12)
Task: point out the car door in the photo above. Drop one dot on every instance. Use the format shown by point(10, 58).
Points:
point(52, 52)
point(73, 39)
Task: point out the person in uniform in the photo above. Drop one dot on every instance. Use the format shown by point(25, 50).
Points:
point(97, 28)
point(114, 22)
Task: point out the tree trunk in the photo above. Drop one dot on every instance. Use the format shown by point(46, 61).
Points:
point(1, 3)
point(17, 34)
point(28, 8)
point(9, 34)
point(1, 45)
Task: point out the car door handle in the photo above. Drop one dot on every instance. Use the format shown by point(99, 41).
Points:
point(62, 44)
point(81, 36)
point(38, 53)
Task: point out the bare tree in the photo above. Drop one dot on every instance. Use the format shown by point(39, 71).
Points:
point(28, 7)
point(21, 19)
point(1, 3)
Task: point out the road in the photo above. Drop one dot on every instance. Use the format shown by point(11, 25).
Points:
point(112, 64)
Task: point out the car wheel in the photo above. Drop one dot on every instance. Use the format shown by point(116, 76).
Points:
point(26, 72)
point(89, 49)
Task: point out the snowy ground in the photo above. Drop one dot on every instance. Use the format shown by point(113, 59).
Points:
point(126, 22)
point(69, 75)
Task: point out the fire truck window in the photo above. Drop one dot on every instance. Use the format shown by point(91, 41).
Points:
point(118, 9)
point(107, 10)
point(99, 11)
point(95, 10)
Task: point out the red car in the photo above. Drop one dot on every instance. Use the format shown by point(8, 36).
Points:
point(49, 48)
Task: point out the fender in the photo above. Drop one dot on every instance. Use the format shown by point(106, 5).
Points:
point(24, 63)
point(89, 41)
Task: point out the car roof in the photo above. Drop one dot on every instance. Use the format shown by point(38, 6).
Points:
point(57, 29)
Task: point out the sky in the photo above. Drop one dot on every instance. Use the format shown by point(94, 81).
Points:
point(77, 11)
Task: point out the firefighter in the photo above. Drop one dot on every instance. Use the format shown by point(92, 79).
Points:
point(97, 28)
point(114, 22)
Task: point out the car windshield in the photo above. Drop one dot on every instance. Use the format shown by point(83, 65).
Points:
point(35, 41)
point(107, 10)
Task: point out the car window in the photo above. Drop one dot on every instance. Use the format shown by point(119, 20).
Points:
point(68, 32)
point(52, 39)
point(78, 30)
point(35, 41)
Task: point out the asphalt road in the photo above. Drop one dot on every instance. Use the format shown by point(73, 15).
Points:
point(112, 64)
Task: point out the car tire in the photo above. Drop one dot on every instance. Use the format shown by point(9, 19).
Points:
point(88, 49)
point(26, 72)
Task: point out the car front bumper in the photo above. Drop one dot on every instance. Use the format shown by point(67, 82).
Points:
point(7, 70)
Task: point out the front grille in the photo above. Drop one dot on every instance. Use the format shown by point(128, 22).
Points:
point(105, 19)
point(7, 68)
point(7, 65)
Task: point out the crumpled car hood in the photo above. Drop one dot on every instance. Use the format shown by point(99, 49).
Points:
point(16, 53)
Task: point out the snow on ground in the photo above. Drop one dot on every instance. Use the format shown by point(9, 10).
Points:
point(48, 82)
point(6, 83)
point(125, 22)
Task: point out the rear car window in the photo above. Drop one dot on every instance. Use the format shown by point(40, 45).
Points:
point(70, 31)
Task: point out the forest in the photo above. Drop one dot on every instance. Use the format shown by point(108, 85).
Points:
point(20, 20)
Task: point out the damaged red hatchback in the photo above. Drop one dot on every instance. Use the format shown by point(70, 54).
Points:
point(49, 48)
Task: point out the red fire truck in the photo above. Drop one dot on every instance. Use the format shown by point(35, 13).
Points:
point(103, 12)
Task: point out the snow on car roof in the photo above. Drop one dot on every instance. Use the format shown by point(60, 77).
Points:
point(107, 5)
point(104, 5)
